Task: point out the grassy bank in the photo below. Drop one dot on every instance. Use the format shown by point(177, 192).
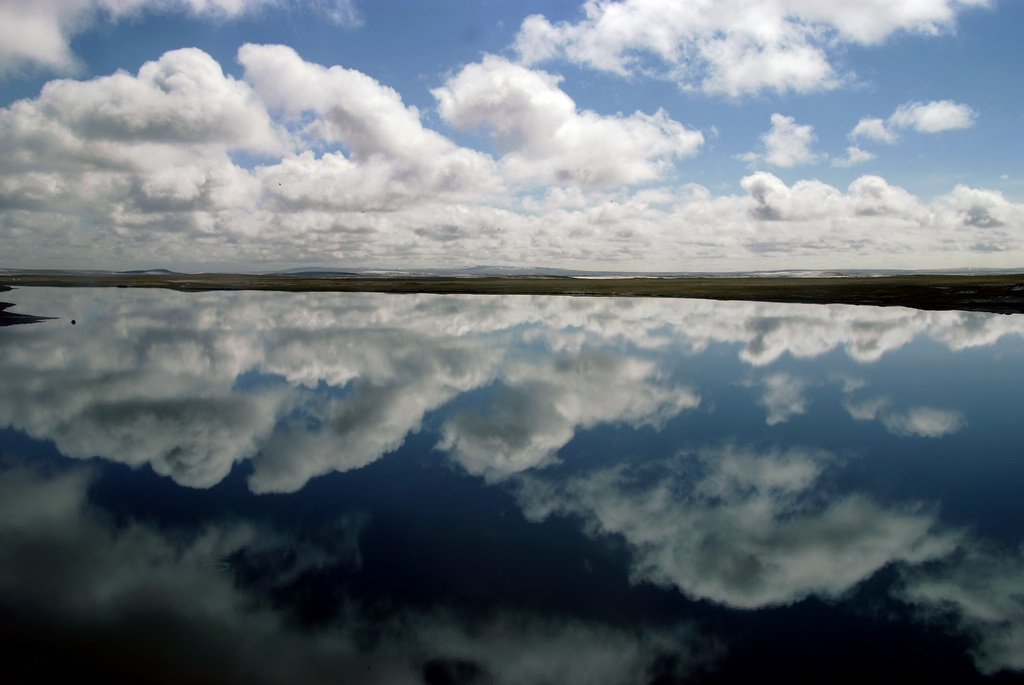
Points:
point(1003, 293)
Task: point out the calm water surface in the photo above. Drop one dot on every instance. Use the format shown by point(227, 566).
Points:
point(363, 488)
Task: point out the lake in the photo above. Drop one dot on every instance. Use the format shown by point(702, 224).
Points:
point(373, 488)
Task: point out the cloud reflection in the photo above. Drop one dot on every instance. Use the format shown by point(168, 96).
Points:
point(783, 396)
point(129, 602)
point(921, 422)
point(983, 588)
point(541, 406)
point(397, 377)
point(742, 527)
point(304, 384)
point(300, 385)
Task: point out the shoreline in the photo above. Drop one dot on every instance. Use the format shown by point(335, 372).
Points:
point(997, 293)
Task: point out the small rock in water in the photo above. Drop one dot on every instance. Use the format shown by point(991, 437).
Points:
point(72, 322)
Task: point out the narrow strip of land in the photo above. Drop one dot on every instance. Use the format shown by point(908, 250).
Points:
point(1002, 293)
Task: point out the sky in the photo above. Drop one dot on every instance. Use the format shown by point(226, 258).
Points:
point(623, 135)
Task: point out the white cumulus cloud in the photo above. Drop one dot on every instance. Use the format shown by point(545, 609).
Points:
point(872, 129)
point(113, 171)
point(392, 157)
point(547, 139)
point(786, 144)
point(37, 34)
point(854, 156)
point(932, 117)
point(729, 46)
point(922, 117)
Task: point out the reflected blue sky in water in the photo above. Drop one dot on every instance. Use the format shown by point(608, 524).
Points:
point(511, 489)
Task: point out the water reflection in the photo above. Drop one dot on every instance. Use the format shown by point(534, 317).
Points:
point(10, 318)
point(741, 527)
point(502, 489)
point(95, 595)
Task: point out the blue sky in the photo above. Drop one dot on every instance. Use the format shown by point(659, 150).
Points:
point(663, 135)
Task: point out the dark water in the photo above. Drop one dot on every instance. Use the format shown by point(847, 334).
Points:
point(251, 487)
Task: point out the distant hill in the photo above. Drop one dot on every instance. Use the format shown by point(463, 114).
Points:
point(317, 272)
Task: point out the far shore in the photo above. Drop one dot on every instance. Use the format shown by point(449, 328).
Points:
point(1000, 293)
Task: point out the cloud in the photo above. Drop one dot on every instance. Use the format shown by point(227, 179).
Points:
point(737, 526)
point(774, 201)
point(38, 35)
point(980, 208)
point(873, 196)
point(987, 212)
point(32, 33)
point(341, 12)
point(116, 170)
point(182, 99)
point(352, 108)
point(734, 47)
point(546, 139)
point(872, 129)
point(391, 153)
point(930, 117)
point(150, 154)
point(786, 144)
point(811, 216)
point(108, 149)
point(854, 156)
